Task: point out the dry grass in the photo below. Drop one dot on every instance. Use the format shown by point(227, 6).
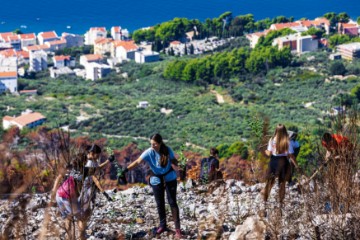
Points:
point(328, 205)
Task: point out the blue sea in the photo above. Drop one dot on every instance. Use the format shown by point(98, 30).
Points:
point(77, 16)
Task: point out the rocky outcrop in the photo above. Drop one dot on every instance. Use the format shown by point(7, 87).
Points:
point(220, 210)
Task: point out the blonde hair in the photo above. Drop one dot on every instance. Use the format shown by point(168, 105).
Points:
point(281, 139)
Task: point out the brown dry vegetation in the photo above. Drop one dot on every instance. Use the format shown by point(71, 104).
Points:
point(330, 199)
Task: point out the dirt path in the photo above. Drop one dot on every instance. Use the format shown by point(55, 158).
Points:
point(219, 97)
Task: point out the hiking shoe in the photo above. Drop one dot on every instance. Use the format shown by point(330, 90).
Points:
point(178, 234)
point(160, 230)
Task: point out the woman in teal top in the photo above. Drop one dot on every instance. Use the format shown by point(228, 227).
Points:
point(160, 158)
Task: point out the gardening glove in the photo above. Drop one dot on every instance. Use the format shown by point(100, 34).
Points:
point(121, 177)
point(111, 158)
point(107, 197)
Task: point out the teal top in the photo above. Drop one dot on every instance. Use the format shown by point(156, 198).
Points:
point(153, 159)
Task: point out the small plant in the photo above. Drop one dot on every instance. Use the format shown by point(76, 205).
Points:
point(182, 163)
point(182, 159)
point(109, 150)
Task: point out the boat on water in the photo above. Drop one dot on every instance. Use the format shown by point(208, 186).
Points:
point(68, 26)
point(23, 26)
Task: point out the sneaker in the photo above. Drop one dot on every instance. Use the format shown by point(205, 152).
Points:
point(160, 230)
point(178, 234)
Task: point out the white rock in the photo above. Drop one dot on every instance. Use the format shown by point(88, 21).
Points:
point(252, 228)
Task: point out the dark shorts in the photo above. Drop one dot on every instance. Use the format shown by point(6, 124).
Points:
point(278, 167)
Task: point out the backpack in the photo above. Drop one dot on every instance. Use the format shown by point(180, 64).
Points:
point(67, 189)
point(208, 168)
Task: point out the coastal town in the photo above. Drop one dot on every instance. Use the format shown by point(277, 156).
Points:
point(24, 53)
point(82, 115)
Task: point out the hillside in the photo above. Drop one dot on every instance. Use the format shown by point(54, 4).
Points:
point(294, 96)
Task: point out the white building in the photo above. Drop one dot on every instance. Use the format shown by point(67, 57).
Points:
point(93, 34)
point(9, 80)
point(47, 37)
point(64, 71)
point(63, 61)
point(96, 71)
point(8, 64)
point(117, 33)
point(90, 58)
point(307, 44)
point(38, 61)
point(56, 45)
point(146, 56)
point(103, 45)
point(15, 42)
point(28, 39)
point(349, 51)
point(254, 37)
point(26, 119)
point(80, 72)
point(124, 50)
point(73, 40)
point(297, 43)
point(143, 104)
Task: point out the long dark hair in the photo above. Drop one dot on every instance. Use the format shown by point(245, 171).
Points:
point(163, 151)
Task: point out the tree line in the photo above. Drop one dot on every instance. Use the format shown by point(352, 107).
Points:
point(220, 67)
point(224, 26)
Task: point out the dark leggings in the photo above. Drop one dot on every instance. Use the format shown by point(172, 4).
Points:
point(278, 167)
point(159, 193)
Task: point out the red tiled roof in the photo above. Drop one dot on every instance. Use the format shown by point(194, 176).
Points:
point(100, 29)
point(93, 57)
point(175, 43)
point(349, 25)
point(37, 47)
point(8, 53)
point(127, 45)
point(47, 35)
point(26, 119)
point(306, 23)
point(6, 34)
point(259, 34)
point(10, 38)
point(117, 29)
point(279, 26)
point(24, 54)
point(316, 22)
point(103, 40)
point(322, 21)
point(8, 74)
point(12, 53)
point(27, 36)
point(61, 58)
point(8, 118)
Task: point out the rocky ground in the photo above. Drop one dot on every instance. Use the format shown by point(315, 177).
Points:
point(220, 210)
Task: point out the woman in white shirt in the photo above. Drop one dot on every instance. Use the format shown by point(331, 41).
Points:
point(279, 150)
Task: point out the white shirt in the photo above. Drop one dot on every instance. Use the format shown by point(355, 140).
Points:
point(272, 148)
